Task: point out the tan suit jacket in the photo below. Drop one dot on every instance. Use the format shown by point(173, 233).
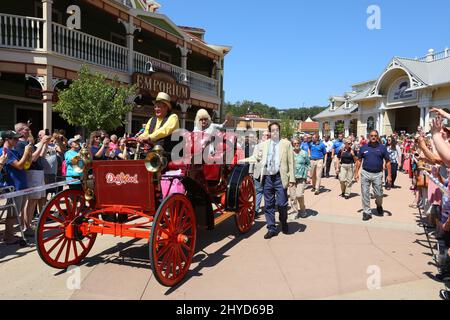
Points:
point(286, 154)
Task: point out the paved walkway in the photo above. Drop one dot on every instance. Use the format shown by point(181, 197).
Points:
point(332, 254)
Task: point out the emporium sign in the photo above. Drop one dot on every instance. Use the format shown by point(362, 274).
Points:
point(152, 84)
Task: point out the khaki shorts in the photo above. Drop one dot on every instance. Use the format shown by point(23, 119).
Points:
point(35, 178)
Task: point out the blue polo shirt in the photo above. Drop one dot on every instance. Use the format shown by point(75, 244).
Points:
point(318, 150)
point(373, 156)
point(306, 146)
point(337, 146)
point(14, 177)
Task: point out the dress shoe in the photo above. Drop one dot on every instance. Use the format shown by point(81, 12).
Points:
point(380, 211)
point(285, 229)
point(270, 235)
point(367, 217)
point(444, 294)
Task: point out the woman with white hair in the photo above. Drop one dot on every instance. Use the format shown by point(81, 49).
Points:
point(203, 124)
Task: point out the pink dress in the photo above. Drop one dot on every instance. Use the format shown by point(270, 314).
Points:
point(407, 163)
point(434, 193)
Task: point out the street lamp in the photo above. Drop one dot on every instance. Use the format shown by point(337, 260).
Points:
point(183, 77)
point(149, 69)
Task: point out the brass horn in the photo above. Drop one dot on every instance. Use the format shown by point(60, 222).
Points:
point(89, 194)
point(155, 161)
point(82, 161)
point(78, 164)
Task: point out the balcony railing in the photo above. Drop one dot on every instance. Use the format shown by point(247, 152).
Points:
point(27, 33)
point(196, 81)
point(21, 32)
point(141, 65)
point(203, 84)
point(88, 48)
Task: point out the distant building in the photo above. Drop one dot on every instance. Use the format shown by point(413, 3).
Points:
point(399, 100)
point(251, 121)
point(308, 126)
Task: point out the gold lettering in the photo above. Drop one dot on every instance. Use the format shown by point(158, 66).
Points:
point(184, 93)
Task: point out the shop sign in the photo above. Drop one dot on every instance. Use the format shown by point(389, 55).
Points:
point(152, 84)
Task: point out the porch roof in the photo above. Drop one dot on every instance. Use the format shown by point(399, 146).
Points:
point(339, 112)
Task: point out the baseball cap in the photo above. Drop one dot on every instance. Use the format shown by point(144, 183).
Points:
point(11, 135)
point(74, 139)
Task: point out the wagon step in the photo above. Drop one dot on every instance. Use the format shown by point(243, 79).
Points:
point(224, 216)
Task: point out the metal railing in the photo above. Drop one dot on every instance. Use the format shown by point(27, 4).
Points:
point(203, 84)
point(141, 65)
point(27, 33)
point(79, 45)
point(435, 56)
point(21, 32)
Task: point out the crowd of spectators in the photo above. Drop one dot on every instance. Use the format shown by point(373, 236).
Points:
point(27, 162)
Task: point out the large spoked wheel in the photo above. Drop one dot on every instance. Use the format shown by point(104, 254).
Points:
point(54, 246)
point(172, 240)
point(245, 215)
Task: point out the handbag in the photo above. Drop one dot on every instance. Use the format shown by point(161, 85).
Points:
point(422, 181)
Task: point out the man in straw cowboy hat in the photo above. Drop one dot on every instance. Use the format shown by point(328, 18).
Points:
point(159, 128)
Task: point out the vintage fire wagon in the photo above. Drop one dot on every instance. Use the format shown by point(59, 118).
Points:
point(150, 199)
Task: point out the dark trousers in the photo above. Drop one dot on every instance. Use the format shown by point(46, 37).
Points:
point(394, 170)
point(275, 194)
point(327, 167)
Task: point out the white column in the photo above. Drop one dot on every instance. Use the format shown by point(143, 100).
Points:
point(422, 117)
point(381, 131)
point(347, 127)
point(184, 55)
point(321, 130)
point(130, 29)
point(332, 127)
point(47, 16)
point(426, 126)
point(129, 125)
point(184, 108)
point(47, 99)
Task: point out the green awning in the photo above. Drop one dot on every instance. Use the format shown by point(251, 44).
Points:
point(160, 23)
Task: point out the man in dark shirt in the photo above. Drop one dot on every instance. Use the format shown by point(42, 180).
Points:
point(372, 156)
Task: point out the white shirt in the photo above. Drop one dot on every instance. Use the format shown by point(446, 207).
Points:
point(273, 158)
point(329, 145)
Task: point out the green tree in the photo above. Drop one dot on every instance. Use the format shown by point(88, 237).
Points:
point(93, 102)
point(239, 109)
point(288, 128)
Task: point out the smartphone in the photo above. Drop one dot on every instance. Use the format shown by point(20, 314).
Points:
point(5, 150)
point(47, 132)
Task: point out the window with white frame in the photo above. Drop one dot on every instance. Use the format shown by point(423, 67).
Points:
point(56, 14)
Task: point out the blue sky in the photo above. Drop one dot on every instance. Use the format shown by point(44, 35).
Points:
point(290, 53)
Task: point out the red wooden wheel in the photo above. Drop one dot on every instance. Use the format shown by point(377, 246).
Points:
point(55, 247)
point(245, 214)
point(172, 240)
